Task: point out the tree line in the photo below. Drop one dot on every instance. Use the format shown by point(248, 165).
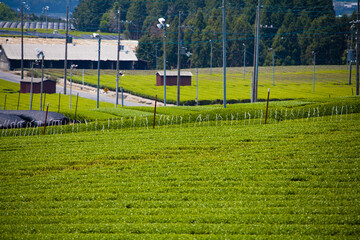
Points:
point(294, 29)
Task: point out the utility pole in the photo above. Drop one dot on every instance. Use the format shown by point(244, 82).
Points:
point(42, 76)
point(357, 48)
point(71, 69)
point(22, 40)
point(98, 77)
point(256, 54)
point(156, 57)
point(244, 58)
point(165, 65)
point(163, 25)
point(178, 62)
point(46, 9)
point(31, 85)
point(224, 51)
point(197, 86)
point(66, 42)
point(314, 53)
point(211, 56)
point(118, 59)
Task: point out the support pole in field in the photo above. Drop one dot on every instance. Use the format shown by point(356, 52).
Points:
point(244, 58)
point(70, 87)
point(83, 72)
point(22, 40)
point(66, 48)
point(59, 102)
point(155, 111)
point(156, 58)
point(18, 101)
point(350, 72)
point(47, 109)
point(163, 25)
point(118, 58)
point(224, 51)
point(314, 53)
point(122, 97)
point(211, 56)
point(178, 62)
point(31, 84)
point(5, 103)
point(256, 55)
point(273, 64)
point(267, 106)
point(44, 101)
point(197, 86)
point(357, 49)
point(42, 77)
point(77, 100)
point(98, 82)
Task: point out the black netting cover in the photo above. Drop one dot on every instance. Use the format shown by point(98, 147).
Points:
point(30, 118)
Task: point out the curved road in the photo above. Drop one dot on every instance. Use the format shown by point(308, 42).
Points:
point(16, 78)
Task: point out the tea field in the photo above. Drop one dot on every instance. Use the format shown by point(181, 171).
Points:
point(291, 82)
point(291, 179)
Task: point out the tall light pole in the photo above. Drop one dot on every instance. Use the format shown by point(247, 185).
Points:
point(41, 53)
point(314, 53)
point(211, 56)
point(156, 57)
point(178, 62)
point(118, 58)
point(256, 54)
point(46, 9)
point(98, 76)
point(162, 25)
point(273, 64)
point(71, 70)
point(244, 58)
point(22, 40)
point(224, 51)
point(357, 48)
point(31, 84)
point(66, 42)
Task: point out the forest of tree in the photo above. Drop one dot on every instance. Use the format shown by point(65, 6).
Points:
point(298, 28)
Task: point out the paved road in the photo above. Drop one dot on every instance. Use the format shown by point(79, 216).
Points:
point(15, 78)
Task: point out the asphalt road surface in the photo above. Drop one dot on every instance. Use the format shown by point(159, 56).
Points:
point(15, 78)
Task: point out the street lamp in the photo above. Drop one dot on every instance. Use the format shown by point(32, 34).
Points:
point(46, 9)
point(162, 25)
point(121, 74)
point(41, 53)
point(273, 62)
point(71, 69)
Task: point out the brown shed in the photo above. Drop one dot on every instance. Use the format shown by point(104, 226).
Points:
point(171, 78)
point(49, 86)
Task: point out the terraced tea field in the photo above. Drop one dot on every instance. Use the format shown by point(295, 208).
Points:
point(290, 180)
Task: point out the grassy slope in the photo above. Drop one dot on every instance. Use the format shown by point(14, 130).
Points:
point(291, 83)
point(289, 180)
